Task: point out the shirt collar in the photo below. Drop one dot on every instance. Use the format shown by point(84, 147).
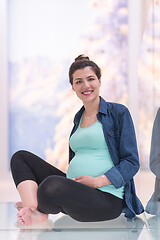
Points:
point(102, 109)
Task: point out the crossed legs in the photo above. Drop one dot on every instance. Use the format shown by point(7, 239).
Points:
point(45, 190)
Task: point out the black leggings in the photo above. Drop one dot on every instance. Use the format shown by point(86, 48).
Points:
point(56, 193)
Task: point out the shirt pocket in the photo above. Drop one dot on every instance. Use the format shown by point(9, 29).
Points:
point(114, 133)
point(114, 138)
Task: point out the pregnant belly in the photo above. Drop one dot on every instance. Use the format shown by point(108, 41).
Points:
point(85, 164)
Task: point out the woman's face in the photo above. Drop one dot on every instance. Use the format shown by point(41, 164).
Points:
point(86, 84)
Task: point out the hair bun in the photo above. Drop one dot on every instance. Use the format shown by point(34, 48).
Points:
point(82, 57)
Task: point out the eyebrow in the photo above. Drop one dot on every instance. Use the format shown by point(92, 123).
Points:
point(78, 79)
point(82, 78)
point(90, 76)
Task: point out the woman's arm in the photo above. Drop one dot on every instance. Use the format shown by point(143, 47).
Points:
point(94, 182)
point(128, 163)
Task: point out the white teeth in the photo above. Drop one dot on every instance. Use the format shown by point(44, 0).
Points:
point(87, 92)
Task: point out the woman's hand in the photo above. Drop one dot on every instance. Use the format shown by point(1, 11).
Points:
point(94, 182)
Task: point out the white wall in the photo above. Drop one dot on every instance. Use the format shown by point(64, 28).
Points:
point(3, 92)
point(138, 13)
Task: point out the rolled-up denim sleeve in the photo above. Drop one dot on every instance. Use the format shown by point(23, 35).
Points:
point(115, 177)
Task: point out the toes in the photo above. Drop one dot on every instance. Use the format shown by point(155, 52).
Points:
point(20, 219)
point(20, 215)
point(24, 216)
point(18, 206)
point(22, 212)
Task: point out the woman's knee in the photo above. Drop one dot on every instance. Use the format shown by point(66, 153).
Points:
point(16, 158)
point(51, 187)
point(49, 195)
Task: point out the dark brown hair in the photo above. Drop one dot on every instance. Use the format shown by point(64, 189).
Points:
point(81, 62)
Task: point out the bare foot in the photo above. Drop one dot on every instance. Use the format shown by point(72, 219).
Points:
point(28, 216)
point(19, 205)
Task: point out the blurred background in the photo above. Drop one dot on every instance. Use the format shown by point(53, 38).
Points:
point(39, 39)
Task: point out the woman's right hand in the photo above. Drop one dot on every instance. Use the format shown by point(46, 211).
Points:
point(94, 182)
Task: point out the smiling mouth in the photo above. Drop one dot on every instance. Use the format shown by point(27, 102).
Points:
point(87, 92)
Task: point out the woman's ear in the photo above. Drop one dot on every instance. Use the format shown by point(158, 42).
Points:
point(99, 81)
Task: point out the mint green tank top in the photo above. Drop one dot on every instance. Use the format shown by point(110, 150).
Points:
point(92, 157)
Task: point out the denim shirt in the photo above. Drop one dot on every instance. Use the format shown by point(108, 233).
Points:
point(120, 138)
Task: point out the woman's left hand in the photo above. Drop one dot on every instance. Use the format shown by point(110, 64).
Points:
point(94, 182)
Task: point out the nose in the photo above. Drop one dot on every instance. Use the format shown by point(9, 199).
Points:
point(86, 83)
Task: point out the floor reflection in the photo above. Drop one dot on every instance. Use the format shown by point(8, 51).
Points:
point(64, 227)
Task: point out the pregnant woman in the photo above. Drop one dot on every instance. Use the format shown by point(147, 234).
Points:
point(103, 159)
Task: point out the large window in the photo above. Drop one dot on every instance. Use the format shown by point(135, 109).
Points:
point(149, 81)
point(44, 38)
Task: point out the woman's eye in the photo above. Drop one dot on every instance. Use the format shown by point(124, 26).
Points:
point(78, 82)
point(91, 79)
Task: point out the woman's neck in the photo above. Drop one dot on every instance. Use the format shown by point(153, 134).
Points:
point(92, 107)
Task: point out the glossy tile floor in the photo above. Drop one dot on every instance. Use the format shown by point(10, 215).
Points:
point(144, 227)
